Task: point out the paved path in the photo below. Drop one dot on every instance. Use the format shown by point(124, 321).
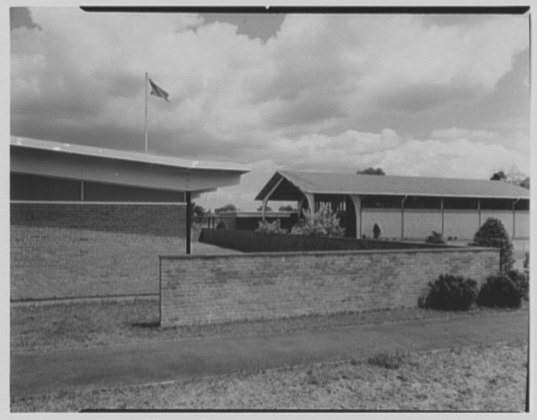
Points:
point(165, 361)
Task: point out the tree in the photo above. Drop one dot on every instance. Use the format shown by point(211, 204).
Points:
point(287, 208)
point(197, 210)
point(226, 208)
point(371, 171)
point(493, 234)
point(513, 176)
point(498, 176)
point(268, 208)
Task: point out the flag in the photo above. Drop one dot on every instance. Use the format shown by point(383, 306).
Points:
point(158, 91)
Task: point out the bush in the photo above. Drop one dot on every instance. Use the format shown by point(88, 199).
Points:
point(435, 238)
point(521, 280)
point(325, 223)
point(450, 292)
point(493, 234)
point(500, 291)
point(266, 227)
point(376, 231)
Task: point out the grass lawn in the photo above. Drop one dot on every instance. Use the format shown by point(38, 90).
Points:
point(73, 325)
point(481, 378)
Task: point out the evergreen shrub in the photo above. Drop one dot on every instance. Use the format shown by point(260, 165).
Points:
point(450, 293)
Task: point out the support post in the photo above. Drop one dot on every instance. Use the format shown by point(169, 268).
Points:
point(479, 213)
point(264, 209)
point(403, 217)
point(442, 210)
point(514, 219)
point(311, 203)
point(188, 221)
point(357, 201)
point(146, 141)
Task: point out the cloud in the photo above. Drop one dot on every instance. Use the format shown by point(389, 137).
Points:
point(457, 133)
point(319, 94)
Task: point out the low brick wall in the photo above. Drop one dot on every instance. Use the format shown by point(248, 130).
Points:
point(248, 241)
point(79, 250)
point(212, 289)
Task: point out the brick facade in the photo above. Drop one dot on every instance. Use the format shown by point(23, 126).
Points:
point(211, 289)
point(66, 250)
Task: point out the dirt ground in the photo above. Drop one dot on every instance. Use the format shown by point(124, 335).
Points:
point(483, 378)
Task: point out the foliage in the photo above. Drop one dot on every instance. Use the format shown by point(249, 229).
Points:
point(500, 291)
point(226, 208)
point(197, 210)
point(521, 281)
point(513, 176)
point(450, 292)
point(287, 208)
point(323, 223)
point(498, 176)
point(493, 234)
point(376, 231)
point(435, 238)
point(387, 360)
point(266, 227)
point(268, 208)
point(371, 171)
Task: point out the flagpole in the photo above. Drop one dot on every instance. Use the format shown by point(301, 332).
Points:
point(146, 112)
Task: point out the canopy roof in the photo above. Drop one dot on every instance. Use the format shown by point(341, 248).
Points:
point(120, 167)
point(292, 185)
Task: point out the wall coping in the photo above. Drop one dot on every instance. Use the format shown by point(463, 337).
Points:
point(112, 203)
point(336, 252)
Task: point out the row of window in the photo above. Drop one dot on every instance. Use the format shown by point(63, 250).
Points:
point(338, 203)
point(34, 188)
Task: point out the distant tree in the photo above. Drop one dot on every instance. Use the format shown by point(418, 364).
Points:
point(498, 176)
point(287, 208)
point(371, 171)
point(268, 208)
point(513, 176)
point(197, 210)
point(226, 208)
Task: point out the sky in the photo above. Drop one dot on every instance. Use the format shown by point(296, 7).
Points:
point(417, 95)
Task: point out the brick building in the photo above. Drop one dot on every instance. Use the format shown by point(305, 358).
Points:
point(91, 222)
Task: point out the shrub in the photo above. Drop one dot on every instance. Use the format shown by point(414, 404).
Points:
point(499, 291)
point(266, 227)
point(450, 292)
point(324, 223)
point(493, 234)
point(435, 238)
point(521, 280)
point(376, 231)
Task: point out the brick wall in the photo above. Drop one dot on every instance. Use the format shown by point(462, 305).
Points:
point(209, 289)
point(62, 250)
